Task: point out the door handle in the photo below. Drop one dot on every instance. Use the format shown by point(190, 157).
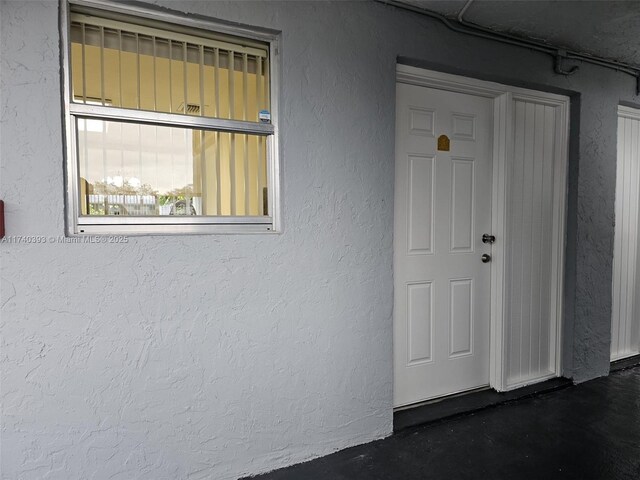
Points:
point(486, 238)
point(486, 258)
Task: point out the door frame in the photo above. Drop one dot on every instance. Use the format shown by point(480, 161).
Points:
point(503, 96)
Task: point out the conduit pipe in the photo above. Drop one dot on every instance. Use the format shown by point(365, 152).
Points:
point(559, 55)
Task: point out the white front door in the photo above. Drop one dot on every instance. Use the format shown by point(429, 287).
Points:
point(442, 209)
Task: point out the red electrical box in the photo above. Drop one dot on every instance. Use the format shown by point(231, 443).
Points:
point(1, 219)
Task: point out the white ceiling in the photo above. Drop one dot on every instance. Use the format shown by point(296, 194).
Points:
point(605, 28)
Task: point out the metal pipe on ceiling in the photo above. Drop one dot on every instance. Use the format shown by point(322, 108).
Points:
point(460, 25)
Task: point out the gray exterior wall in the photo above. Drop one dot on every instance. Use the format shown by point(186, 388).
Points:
point(239, 354)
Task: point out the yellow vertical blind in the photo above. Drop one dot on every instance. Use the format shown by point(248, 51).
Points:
point(116, 64)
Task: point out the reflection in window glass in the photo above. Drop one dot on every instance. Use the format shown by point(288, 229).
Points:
point(133, 169)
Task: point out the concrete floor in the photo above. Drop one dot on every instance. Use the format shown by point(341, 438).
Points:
point(589, 431)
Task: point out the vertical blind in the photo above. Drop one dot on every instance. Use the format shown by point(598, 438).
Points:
point(115, 64)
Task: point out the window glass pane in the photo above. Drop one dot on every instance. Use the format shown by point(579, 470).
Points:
point(145, 170)
point(129, 66)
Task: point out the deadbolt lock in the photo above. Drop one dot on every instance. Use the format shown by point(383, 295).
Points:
point(486, 238)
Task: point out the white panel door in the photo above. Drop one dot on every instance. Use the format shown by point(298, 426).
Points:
point(442, 209)
point(625, 321)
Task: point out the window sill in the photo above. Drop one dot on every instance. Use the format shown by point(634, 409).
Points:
point(173, 229)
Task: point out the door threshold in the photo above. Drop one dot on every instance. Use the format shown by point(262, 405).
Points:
point(431, 401)
point(624, 363)
point(468, 402)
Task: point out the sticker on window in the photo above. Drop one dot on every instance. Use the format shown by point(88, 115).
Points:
point(264, 116)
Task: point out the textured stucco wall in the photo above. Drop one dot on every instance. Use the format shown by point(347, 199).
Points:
point(216, 356)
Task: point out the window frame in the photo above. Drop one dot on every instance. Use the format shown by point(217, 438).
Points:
point(76, 224)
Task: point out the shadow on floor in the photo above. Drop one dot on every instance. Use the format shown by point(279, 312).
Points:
point(589, 431)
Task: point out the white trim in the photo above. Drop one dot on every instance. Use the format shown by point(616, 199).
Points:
point(502, 96)
point(81, 110)
point(472, 86)
point(559, 227)
point(628, 112)
point(172, 229)
point(502, 150)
